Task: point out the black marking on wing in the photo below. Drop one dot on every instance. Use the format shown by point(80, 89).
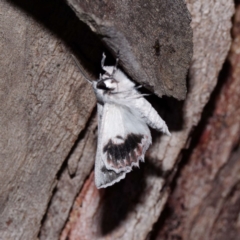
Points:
point(124, 154)
point(119, 137)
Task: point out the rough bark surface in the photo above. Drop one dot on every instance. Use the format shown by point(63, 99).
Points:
point(80, 163)
point(154, 39)
point(205, 203)
point(45, 104)
point(48, 122)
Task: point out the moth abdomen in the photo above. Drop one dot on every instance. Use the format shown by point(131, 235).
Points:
point(150, 116)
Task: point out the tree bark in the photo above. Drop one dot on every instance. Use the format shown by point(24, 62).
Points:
point(205, 202)
point(154, 39)
point(48, 120)
point(45, 104)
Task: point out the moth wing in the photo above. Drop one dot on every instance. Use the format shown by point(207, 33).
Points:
point(122, 142)
point(99, 113)
point(125, 137)
point(103, 176)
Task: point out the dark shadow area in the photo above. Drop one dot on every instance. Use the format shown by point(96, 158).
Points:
point(122, 199)
point(196, 135)
point(169, 108)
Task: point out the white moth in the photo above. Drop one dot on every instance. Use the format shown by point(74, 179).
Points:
point(123, 119)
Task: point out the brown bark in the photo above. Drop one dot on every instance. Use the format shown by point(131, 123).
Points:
point(205, 203)
point(48, 121)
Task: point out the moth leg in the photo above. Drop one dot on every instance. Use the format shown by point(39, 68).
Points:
point(138, 96)
point(138, 87)
point(116, 64)
point(130, 91)
point(103, 60)
point(114, 93)
point(117, 60)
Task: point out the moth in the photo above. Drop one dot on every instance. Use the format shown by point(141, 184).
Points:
point(124, 118)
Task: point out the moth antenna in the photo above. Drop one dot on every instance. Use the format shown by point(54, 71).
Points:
point(80, 69)
point(100, 77)
point(138, 96)
point(103, 60)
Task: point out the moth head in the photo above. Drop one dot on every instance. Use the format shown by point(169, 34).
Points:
point(114, 80)
point(107, 81)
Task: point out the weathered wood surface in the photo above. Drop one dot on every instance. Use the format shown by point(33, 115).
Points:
point(154, 39)
point(44, 105)
point(48, 122)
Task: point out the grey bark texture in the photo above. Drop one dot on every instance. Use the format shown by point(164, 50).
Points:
point(48, 116)
point(154, 39)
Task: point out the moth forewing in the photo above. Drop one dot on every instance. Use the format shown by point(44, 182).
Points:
point(103, 176)
point(125, 138)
